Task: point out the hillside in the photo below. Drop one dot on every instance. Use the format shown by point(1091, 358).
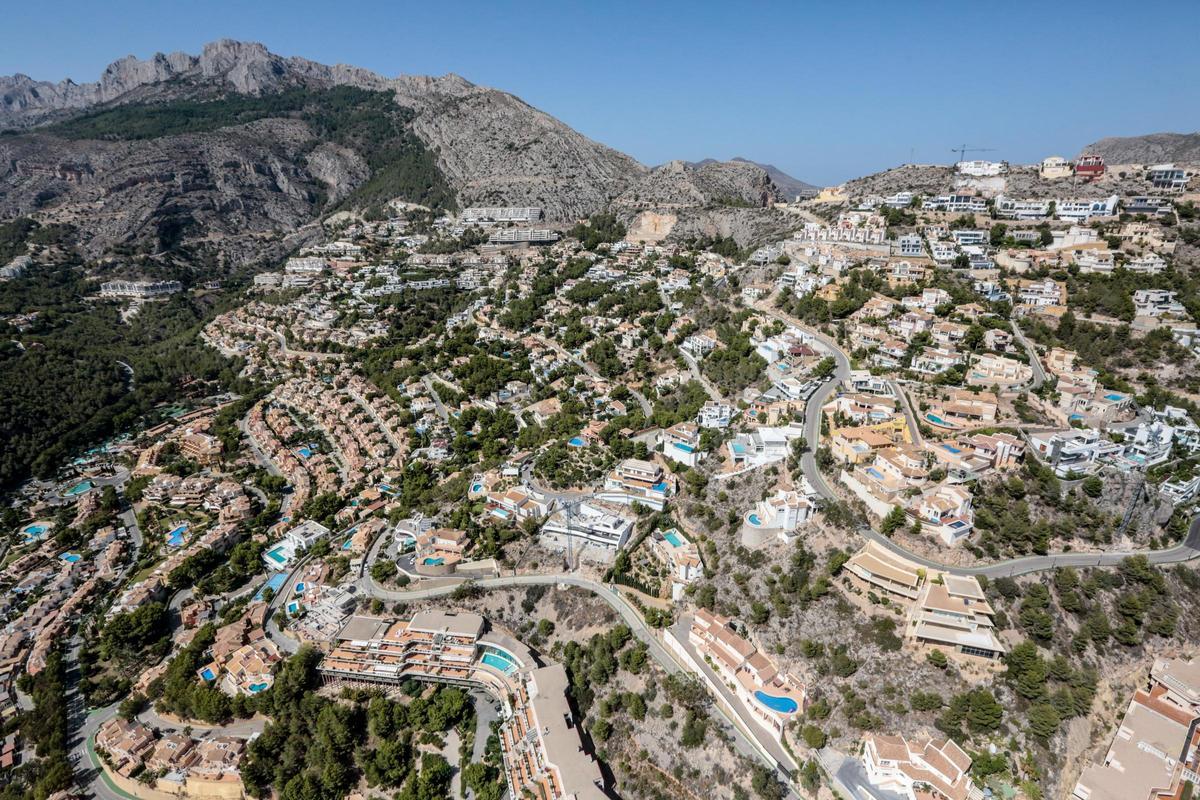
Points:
point(788, 186)
point(271, 154)
point(1153, 148)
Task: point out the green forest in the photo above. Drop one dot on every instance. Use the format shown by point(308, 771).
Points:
point(367, 121)
point(62, 387)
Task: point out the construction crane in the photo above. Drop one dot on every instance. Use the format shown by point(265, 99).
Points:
point(962, 151)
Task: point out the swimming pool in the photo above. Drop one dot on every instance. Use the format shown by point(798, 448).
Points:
point(34, 530)
point(346, 545)
point(255, 688)
point(71, 558)
point(687, 448)
point(781, 705)
point(207, 674)
point(433, 562)
point(951, 449)
point(673, 539)
point(277, 556)
point(293, 608)
point(305, 452)
point(497, 659)
point(476, 488)
point(874, 473)
point(299, 587)
point(273, 583)
point(936, 420)
point(79, 488)
point(575, 441)
point(660, 487)
point(1115, 398)
point(175, 537)
point(737, 448)
point(754, 520)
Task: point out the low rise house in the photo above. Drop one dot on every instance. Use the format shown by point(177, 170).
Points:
point(681, 442)
point(680, 555)
point(593, 530)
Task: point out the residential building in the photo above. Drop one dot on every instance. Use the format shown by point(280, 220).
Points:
point(1072, 451)
point(772, 697)
point(680, 555)
point(637, 481)
point(592, 529)
point(295, 541)
point(1168, 177)
point(1011, 208)
point(993, 370)
point(777, 516)
point(1157, 303)
point(501, 214)
point(1083, 209)
point(1089, 166)
point(982, 169)
point(877, 569)
point(911, 245)
point(139, 290)
point(715, 414)
point(681, 442)
point(933, 769)
point(953, 615)
point(945, 511)
point(1054, 167)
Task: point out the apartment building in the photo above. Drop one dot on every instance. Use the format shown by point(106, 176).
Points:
point(542, 752)
point(1002, 371)
point(877, 569)
point(139, 290)
point(956, 204)
point(982, 169)
point(954, 616)
point(1089, 166)
point(910, 245)
point(532, 236)
point(1155, 753)
point(1054, 168)
point(594, 530)
point(932, 769)
point(500, 214)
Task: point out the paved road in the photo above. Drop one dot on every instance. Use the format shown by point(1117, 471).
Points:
point(698, 376)
point(905, 405)
point(1039, 374)
point(1185, 551)
point(812, 409)
point(438, 406)
point(631, 616)
point(287, 351)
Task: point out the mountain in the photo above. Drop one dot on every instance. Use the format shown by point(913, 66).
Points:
point(788, 186)
point(238, 145)
point(679, 184)
point(1154, 148)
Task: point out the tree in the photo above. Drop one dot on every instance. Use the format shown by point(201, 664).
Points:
point(893, 521)
point(814, 737)
point(1043, 721)
point(938, 659)
point(984, 714)
point(1092, 486)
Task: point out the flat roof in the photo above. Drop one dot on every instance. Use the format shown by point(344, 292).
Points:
point(362, 628)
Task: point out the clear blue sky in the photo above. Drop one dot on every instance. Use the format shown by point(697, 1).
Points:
point(824, 90)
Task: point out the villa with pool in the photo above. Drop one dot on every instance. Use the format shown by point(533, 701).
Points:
point(777, 517)
point(440, 551)
point(681, 442)
point(539, 741)
point(680, 555)
point(638, 481)
point(773, 698)
point(280, 555)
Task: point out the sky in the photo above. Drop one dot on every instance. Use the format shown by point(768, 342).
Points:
point(824, 90)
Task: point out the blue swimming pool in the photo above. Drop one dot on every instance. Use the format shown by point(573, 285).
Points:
point(951, 449)
point(175, 537)
point(936, 420)
point(687, 448)
point(276, 555)
point(79, 488)
point(1115, 398)
point(673, 539)
point(737, 447)
point(498, 660)
point(476, 488)
point(661, 486)
point(346, 545)
point(575, 441)
point(255, 688)
point(71, 558)
point(433, 562)
point(207, 674)
point(300, 587)
point(874, 473)
point(34, 530)
point(781, 705)
point(273, 583)
point(293, 608)
point(754, 520)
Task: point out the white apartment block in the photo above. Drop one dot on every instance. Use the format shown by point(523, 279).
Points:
point(1012, 208)
point(1082, 210)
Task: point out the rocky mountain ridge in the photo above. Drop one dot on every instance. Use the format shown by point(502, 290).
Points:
point(788, 186)
point(1154, 148)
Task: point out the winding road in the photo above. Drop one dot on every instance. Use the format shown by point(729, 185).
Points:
point(1186, 550)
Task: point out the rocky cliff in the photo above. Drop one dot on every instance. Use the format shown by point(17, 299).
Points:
point(489, 145)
